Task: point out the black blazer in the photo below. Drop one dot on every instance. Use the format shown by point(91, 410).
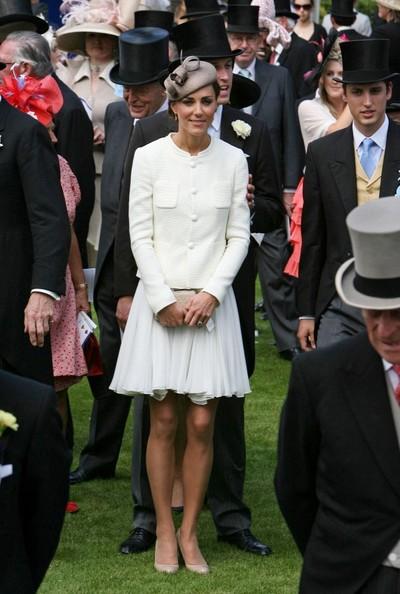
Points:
point(330, 193)
point(300, 57)
point(276, 107)
point(34, 233)
point(391, 31)
point(33, 498)
point(268, 212)
point(74, 132)
point(338, 474)
point(118, 125)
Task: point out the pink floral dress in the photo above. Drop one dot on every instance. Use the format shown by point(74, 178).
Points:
point(69, 364)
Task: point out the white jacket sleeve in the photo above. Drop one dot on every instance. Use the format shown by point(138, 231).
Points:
point(158, 293)
point(237, 235)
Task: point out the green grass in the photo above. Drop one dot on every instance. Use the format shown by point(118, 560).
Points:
point(88, 561)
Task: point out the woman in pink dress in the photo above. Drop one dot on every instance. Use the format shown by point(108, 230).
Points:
point(42, 99)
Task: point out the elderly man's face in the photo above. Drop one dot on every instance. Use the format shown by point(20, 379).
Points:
point(383, 329)
point(7, 55)
point(144, 100)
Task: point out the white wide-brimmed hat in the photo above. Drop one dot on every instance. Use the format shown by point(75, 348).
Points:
point(391, 4)
point(84, 16)
point(371, 280)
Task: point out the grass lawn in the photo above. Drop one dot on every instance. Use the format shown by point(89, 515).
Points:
point(88, 561)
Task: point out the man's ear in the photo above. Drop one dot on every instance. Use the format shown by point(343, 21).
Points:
point(25, 68)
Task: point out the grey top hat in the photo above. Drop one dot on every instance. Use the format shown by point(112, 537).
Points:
point(188, 77)
point(371, 279)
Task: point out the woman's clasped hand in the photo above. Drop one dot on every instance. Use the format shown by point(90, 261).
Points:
point(198, 310)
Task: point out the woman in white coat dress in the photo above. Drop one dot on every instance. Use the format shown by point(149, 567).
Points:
point(189, 226)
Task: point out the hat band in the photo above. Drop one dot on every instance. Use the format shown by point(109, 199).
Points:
point(386, 288)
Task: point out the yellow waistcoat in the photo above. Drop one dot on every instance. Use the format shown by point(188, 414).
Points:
point(368, 189)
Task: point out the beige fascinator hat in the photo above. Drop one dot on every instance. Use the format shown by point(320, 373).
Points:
point(188, 77)
point(391, 4)
point(86, 16)
point(371, 279)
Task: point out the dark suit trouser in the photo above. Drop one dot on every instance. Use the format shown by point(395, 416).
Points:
point(339, 321)
point(385, 580)
point(110, 410)
point(225, 490)
point(277, 288)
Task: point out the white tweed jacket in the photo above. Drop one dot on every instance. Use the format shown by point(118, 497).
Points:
point(188, 218)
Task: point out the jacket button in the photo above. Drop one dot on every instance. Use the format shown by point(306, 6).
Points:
point(194, 217)
point(190, 245)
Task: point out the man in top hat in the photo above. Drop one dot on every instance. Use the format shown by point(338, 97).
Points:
point(338, 473)
point(362, 23)
point(206, 37)
point(345, 169)
point(300, 57)
point(343, 17)
point(17, 15)
point(276, 107)
point(143, 58)
point(389, 11)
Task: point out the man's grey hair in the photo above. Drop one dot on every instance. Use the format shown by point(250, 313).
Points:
point(32, 49)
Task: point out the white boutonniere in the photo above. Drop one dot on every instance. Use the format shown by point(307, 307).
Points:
point(7, 421)
point(1, 141)
point(241, 128)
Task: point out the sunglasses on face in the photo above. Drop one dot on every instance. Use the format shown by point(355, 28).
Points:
point(303, 6)
point(5, 64)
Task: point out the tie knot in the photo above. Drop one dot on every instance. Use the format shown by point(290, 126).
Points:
point(245, 72)
point(368, 143)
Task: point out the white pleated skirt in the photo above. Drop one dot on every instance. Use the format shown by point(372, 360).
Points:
point(199, 363)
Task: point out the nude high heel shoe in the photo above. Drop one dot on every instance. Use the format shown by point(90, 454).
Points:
point(201, 568)
point(164, 567)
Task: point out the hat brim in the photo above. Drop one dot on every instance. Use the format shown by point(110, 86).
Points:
point(201, 13)
point(344, 281)
point(72, 39)
point(136, 78)
point(41, 26)
point(364, 77)
point(244, 92)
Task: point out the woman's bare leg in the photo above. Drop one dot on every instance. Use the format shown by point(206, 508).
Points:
point(180, 444)
point(160, 459)
point(196, 468)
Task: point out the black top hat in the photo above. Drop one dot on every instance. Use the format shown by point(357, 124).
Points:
point(17, 11)
point(242, 19)
point(198, 8)
point(365, 61)
point(143, 56)
point(282, 8)
point(342, 8)
point(205, 38)
point(164, 19)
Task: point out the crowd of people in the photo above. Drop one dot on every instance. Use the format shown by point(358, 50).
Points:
point(181, 150)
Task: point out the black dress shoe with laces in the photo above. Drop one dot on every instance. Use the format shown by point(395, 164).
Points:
point(246, 541)
point(80, 475)
point(138, 541)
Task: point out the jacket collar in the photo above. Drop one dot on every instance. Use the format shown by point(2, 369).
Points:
point(84, 72)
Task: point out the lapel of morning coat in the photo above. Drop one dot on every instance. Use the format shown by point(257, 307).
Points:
point(263, 81)
point(365, 391)
point(391, 163)
point(343, 169)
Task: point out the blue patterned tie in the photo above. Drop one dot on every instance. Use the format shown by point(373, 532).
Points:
point(369, 156)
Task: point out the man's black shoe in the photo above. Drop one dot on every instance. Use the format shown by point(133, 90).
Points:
point(80, 475)
point(138, 541)
point(246, 541)
point(290, 354)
